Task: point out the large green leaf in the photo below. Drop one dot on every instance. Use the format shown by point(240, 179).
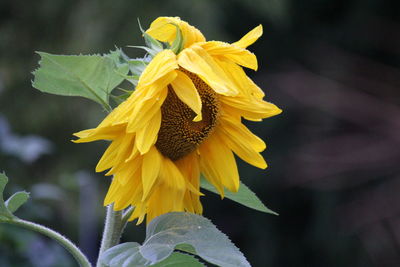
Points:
point(128, 255)
point(244, 196)
point(124, 255)
point(93, 76)
point(168, 232)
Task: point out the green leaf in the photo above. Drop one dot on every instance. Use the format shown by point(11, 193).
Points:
point(8, 207)
point(3, 209)
point(186, 248)
point(244, 196)
point(118, 57)
point(126, 254)
point(3, 182)
point(182, 231)
point(165, 232)
point(16, 201)
point(179, 260)
point(92, 77)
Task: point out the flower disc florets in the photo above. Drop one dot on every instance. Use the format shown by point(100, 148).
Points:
point(179, 134)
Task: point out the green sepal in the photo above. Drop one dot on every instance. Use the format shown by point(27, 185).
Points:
point(150, 41)
point(177, 44)
point(152, 52)
point(118, 99)
point(137, 66)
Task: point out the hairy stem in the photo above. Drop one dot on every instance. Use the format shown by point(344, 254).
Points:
point(66, 243)
point(113, 227)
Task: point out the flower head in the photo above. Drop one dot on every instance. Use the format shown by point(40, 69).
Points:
point(182, 120)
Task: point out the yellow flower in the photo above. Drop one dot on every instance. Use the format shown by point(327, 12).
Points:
point(183, 119)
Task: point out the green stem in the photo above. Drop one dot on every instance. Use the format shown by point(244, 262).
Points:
point(66, 243)
point(114, 225)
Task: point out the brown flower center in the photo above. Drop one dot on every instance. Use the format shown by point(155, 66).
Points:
point(179, 134)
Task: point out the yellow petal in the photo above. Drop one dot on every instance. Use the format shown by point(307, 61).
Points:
point(150, 170)
point(250, 37)
point(187, 93)
point(218, 164)
point(128, 171)
point(245, 144)
point(189, 167)
point(253, 108)
point(162, 64)
point(124, 149)
point(112, 192)
point(103, 133)
point(164, 29)
point(237, 75)
point(238, 55)
point(134, 154)
point(139, 213)
point(240, 132)
point(146, 109)
point(109, 157)
point(147, 136)
point(198, 61)
point(171, 175)
point(128, 192)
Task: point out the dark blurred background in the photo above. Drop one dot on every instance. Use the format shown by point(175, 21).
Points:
point(333, 154)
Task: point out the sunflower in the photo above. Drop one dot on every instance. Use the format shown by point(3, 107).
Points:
point(182, 120)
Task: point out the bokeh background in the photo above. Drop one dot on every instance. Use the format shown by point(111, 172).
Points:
point(333, 66)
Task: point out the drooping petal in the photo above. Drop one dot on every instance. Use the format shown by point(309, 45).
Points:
point(147, 136)
point(189, 166)
point(164, 30)
point(198, 61)
point(145, 110)
point(218, 164)
point(187, 93)
point(237, 75)
point(250, 37)
point(162, 64)
point(124, 149)
point(128, 170)
point(172, 176)
point(169, 194)
point(236, 54)
point(251, 108)
point(244, 143)
point(112, 192)
point(109, 157)
point(150, 170)
point(129, 191)
point(103, 133)
point(241, 132)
